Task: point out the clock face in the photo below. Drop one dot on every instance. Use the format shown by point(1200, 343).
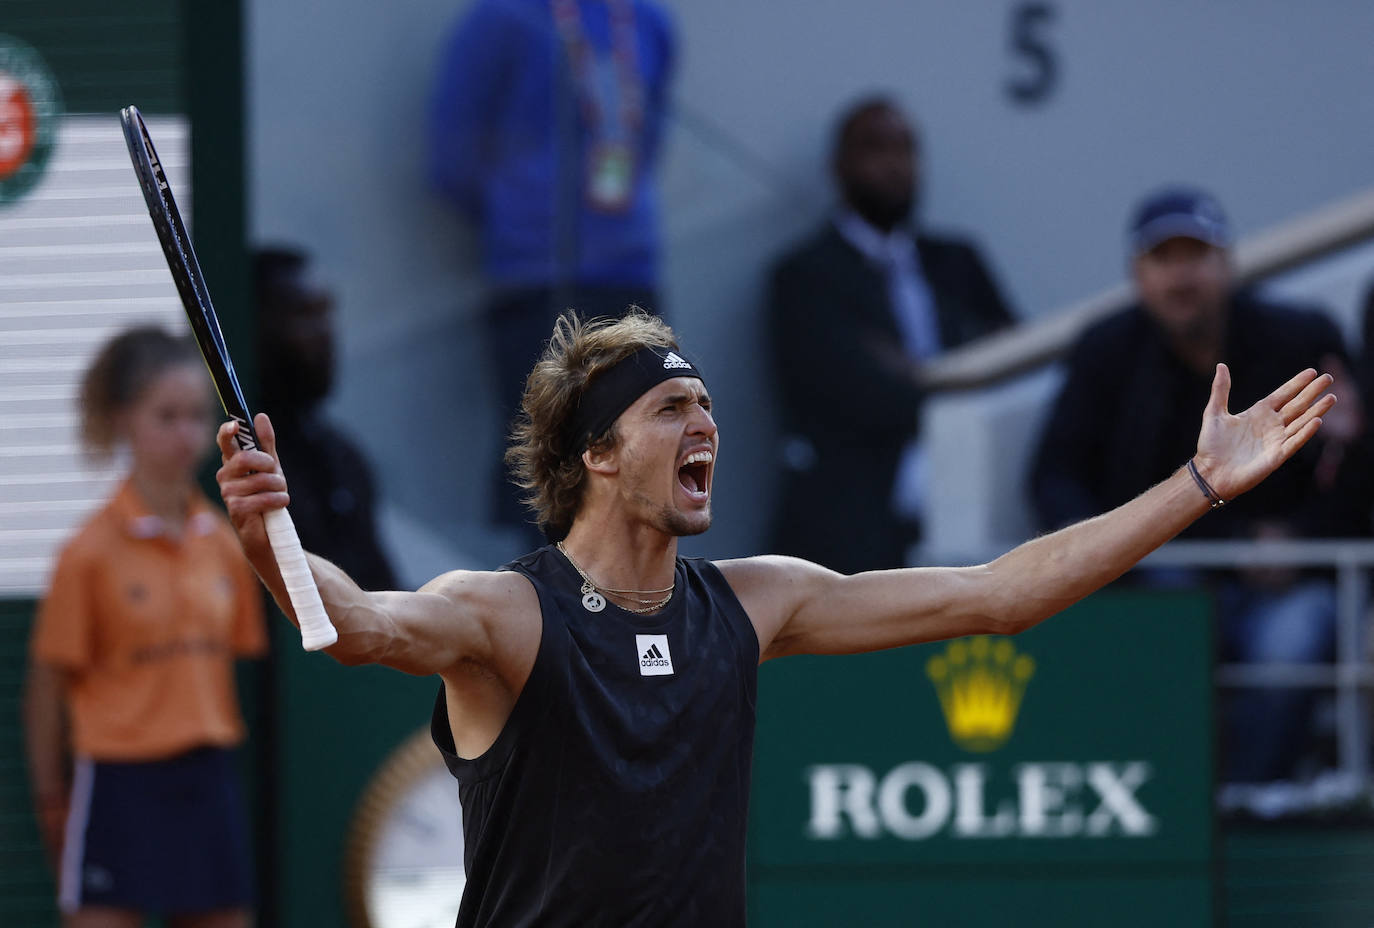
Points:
point(408, 844)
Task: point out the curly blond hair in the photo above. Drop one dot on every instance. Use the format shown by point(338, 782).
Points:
point(544, 459)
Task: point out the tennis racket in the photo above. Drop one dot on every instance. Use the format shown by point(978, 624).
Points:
point(316, 629)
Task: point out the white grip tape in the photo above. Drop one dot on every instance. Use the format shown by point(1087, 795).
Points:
point(316, 629)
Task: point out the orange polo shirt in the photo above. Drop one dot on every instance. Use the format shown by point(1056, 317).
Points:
point(148, 628)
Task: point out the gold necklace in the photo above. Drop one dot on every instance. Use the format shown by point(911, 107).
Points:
point(593, 601)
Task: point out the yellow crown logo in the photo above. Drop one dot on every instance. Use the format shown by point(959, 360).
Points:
point(980, 682)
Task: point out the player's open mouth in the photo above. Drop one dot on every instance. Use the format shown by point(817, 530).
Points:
point(695, 472)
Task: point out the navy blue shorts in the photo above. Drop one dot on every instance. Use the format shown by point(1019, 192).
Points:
point(163, 837)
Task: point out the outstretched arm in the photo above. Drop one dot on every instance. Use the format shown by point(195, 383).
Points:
point(451, 619)
point(798, 607)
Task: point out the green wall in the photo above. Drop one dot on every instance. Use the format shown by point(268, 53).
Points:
point(106, 55)
point(1117, 705)
point(1287, 876)
point(26, 892)
point(336, 726)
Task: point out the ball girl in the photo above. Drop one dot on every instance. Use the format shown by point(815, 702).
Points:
point(131, 713)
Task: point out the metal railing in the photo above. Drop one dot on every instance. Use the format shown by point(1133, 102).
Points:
point(1349, 675)
point(1039, 341)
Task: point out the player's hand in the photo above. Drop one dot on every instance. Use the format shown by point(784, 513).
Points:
point(250, 482)
point(1235, 452)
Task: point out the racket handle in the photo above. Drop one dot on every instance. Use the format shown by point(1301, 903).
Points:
point(316, 629)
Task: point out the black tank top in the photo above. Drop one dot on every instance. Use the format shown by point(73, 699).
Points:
point(617, 794)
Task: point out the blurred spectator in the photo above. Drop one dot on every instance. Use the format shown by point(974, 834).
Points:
point(333, 502)
point(1126, 418)
point(545, 124)
point(132, 664)
point(1365, 364)
point(853, 311)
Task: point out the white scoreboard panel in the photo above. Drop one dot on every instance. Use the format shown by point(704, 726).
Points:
point(79, 262)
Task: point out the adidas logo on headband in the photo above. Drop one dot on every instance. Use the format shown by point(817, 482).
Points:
point(614, 389)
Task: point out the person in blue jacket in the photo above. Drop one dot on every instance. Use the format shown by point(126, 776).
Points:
point(544, 129)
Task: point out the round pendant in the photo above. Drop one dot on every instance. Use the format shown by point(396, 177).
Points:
point(593, 601)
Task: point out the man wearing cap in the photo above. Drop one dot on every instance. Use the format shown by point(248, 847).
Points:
point(1128, 408)
point(598, 695)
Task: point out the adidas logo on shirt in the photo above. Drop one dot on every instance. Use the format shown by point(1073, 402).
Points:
point(674, 362)
point(654, 658)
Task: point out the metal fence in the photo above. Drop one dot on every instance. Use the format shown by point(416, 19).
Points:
point(1349, 675)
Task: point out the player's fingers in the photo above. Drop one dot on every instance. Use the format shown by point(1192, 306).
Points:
point(267, 436)
point(258, 502)
point(241, 460)
point(250, 492)
point(1280, 397)
point(249, 461)
point(1318, 409)
point(250, 482)
point(1221, 391)
point(1294, 407)
point(244, 508)
point(266, 487)
point(224, 437)
point(1303, 436)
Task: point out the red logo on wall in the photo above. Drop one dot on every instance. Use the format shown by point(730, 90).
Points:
point(29, 107)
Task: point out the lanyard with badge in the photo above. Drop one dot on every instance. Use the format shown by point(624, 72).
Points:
point(612, 98)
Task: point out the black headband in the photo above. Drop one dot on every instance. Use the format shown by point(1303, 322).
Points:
point(614, 390)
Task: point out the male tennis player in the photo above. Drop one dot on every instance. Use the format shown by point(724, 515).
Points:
point(597, 704)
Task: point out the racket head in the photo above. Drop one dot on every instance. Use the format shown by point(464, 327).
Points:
point(186, 274)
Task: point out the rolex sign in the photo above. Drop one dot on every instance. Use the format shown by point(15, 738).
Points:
point(916, 801)
point(981, 770)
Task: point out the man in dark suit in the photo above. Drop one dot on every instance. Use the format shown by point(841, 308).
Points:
point(853, 312)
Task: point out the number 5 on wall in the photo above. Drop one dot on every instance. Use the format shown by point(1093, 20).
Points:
point(1040, 71)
